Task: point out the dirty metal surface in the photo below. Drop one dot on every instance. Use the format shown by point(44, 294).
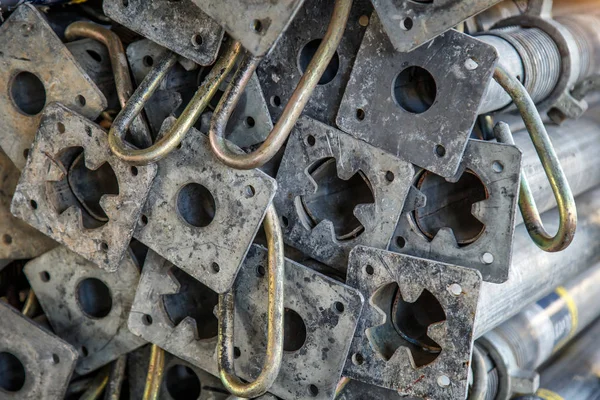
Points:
point(18, 240)
point(93, 57)
point(410, 24)
point(250, 122)
point(497, 167)
point(263, 23)
point(44, 197)
point(385, 355)
point(329, 311)
point(180, 380)
point(310, 229)
point(202, 215)
point(357, 390)
point(93, 322)
point(179, 26)
point(420, 105)
point(36, 69)
point(280, 72)
point(48, 361)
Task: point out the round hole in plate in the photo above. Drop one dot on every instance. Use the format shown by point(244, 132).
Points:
point(144, 219)
point(400, 242)
point(45, 276)
point(310, 140)
point(60, 127)
point(147, 319)
point(389, 176)
point(94, 55)
point(338, 307)
point(357, 359)
point(55, 359)
point(440, 151)
point(28, 93)
point(80, 100)
point(497, 166)
point(197, 40)
point(275, 101)
point(406, 24)
point(148, 61)
point(360, 114)
point(487, 258)
point(182, 383)
point(94, 298)
point(313, 390)
point(12, 372)
point(196, 205)
point(33, 204)
point(250, 122)
point(249, 191)
point(215, 268)
point(284, 221)
point(260, 271)
point(369, 270)
point(7, 239)
point(134, 171)
point(25, 153)
point(237, 353)
point(257, 25)
point(414, 89)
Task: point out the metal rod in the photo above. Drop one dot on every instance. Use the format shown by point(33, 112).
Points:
point(115, 379)
point(556, 176)
point(98, 385)
point(156, 368)
point(175, 134)
point(292, 110)
point(118, 60)
point(225, 347)
point(530, 338)
point(534, 273)
point(31, 305)
point(577, 145)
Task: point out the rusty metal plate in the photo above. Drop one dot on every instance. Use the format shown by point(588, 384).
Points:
point(415, 334)
point(490, 175)
point(48, 361)
point(180, 379)
point(410, 24)
point(324, 171)
point(86, 305)
point(280, 72)
point(36, 69)
point(422, 105)
point(113, 190)
point(262, 24)
point(18, 241)
point(203, 215)
point(326, 309)
point(179, 26)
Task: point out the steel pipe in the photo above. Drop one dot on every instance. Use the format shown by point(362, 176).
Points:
point(534, 272)
point(520, 345)
point(156, 369)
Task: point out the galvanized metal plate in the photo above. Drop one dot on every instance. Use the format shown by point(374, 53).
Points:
point(420, 105)
point(180, 379)
point(357, 390)
point(328, 310)
point(262, 24)
point(48, 361)
point(18, 241)
point(179, 26)
point(203, 215)
point(280, 72)
point(387, 179)
point(410, 24)
point(37, 69)
point(498, 168)
point(250, 122)
point(78, 308)
point(43, 200)
point(380, 355)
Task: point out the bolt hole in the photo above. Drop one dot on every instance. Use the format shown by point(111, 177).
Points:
point(249, 191)
point(250, 122)
point(84, 351)
point(104, 246)
point(215, 268)
point(55, 359)
point(339, 307)
point(60, 127)
point(12, 373)
point(33, 204)
point(147, 319)
point(257, 25)
point(25, 153)
point(237, 353)
point(144, 219)
point(307, 53)
point(80, 100)
point(197, 40)
point(196, 205)
point(406, 24)
point(389, 176)
point(313, 390)
point(369, 270)
point(7, 239)
point(260, 271)
point(45, 276)
point(363, 20)
point(94, 298)
point(125, 3)
point(360, 114)
point(148, 61)
point(284, 221)
point(28, 93)
point(275, 101)
point(94, 55)
point(294, 331)
point(400, 242)
point(134, 171)
point(310, 140)
point(182, 383)
point(497, 166)
point(358, 359)
point(440, 151)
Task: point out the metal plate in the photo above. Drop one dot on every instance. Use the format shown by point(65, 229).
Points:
point(250, 122)
point(409, 24)
point(61, 279)
point(386, 100)
point(179, 26)
point(18, 241)
point(317, 361)
point(211, 250)
point(357, 390)
point(379, 355)
point(31, 56)
point(498, 167)
point(48, 361)
point(263, 23)
point(387, 178)
point(38, 198)
point(180, 379)
point(280, 72)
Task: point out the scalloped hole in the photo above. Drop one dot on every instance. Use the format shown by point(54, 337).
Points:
point(182, 383)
